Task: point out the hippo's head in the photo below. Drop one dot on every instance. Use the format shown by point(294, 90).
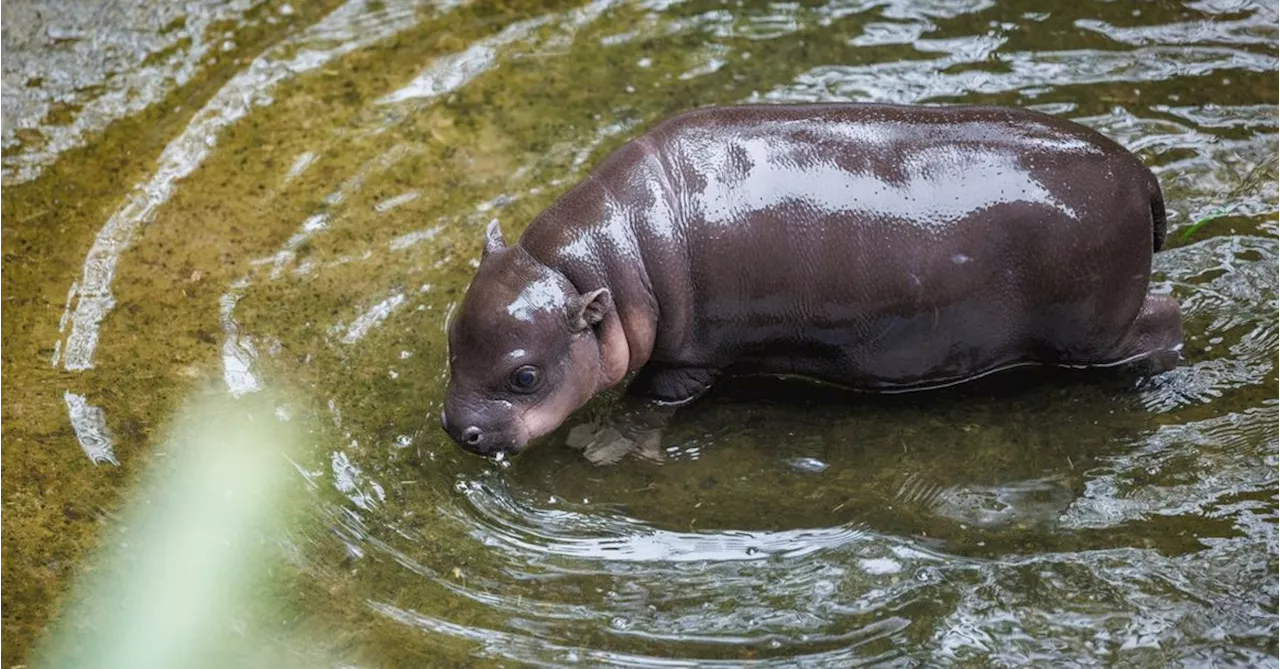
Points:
point(523, 352)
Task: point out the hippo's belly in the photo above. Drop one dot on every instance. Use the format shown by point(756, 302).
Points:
point(890, 353)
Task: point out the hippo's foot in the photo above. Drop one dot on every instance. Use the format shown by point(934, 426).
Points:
point(633, 430)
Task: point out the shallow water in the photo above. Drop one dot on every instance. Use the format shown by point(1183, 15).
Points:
point(297, 201)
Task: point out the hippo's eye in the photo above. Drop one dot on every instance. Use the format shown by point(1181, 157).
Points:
point(525, 379)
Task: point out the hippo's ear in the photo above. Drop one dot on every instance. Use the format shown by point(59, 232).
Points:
point(493, 240)
point(589, 309)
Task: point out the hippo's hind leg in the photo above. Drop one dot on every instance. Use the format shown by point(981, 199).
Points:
point(1154, 342)
point(635, 426)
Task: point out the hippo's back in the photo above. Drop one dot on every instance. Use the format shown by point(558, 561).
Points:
point(920, 165)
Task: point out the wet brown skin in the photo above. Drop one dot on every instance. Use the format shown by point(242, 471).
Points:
point(886, 248)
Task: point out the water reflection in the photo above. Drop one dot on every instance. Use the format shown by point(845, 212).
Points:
point(90, 424)
point(1058, 521)
point(90, 69)
point(350, 27)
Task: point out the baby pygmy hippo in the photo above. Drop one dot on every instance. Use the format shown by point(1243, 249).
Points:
point(879, 247)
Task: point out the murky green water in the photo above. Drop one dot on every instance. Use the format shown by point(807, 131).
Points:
point(297, 200)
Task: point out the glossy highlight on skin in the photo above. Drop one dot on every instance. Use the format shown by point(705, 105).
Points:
point(878, 247)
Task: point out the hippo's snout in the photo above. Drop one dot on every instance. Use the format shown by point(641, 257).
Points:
point(477, 437)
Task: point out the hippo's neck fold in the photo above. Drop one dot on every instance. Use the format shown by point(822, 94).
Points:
point(625, 336)
point(621, 230)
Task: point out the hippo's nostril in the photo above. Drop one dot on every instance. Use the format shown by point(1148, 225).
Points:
point(472, 435)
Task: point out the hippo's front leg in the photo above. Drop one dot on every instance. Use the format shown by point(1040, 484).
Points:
point(671, 384)
point(635, 426)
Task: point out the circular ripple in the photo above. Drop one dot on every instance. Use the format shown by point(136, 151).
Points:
point(1039, 520)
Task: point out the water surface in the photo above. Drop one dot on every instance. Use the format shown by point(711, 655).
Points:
point(261, 196)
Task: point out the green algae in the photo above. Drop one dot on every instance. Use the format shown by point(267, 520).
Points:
point(510, 136)
point(55, 501)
